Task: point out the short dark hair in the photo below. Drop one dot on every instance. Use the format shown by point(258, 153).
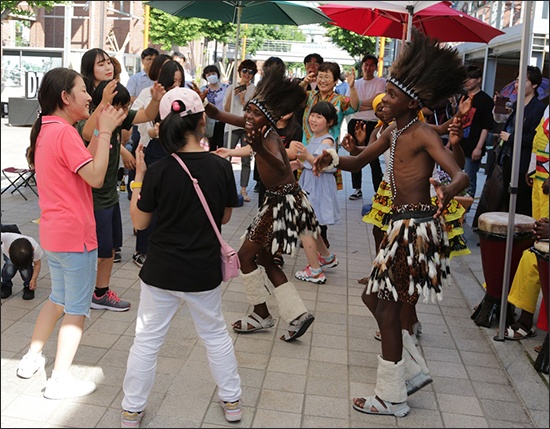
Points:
point(369, 57)
point(535, 77)
point(474, 72)
point(209, 69)
point(327, 110)
point(21, 253)
point(179, 55)
point(147, 52)
point(329, 66)
point(318, 57)
point(122, 96)
point(248, 64)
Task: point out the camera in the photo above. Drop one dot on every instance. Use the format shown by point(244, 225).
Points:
point(241, 88)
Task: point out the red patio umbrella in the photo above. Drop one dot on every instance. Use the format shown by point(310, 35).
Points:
point(439, 21)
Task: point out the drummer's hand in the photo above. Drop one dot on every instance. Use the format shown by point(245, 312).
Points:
point(443, 197)
point(545, 186)
point(541, 229)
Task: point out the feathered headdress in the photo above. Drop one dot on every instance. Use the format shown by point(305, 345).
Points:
point(426, 71)
point(276, 95)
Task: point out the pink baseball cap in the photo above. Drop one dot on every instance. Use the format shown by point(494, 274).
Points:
point(192, 103)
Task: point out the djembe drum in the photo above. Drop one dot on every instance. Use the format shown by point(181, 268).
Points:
point(493, 232)
point(540, 248)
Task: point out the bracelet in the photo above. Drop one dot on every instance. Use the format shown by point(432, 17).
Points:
point(97, 132)
point(335, 159)
point(134, 185)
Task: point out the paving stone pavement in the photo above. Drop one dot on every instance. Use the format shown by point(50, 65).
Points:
point(478, 382)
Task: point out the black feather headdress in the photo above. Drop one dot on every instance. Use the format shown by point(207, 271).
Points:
point(426, 71)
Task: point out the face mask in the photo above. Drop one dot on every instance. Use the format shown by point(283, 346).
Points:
point(212, 79)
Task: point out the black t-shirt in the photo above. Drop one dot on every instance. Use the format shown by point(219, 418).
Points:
point(480, 117)
point(184, 251)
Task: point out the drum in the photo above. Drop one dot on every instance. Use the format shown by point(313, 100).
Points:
point(493, 231)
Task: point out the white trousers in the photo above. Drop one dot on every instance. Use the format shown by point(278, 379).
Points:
point(156, 309)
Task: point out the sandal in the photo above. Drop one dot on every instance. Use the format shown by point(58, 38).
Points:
point(378, 336)
point(375, 405)
point(255, 321)
point(518, 332)
point(245, 196)
point(298, 327)
point(538, 348)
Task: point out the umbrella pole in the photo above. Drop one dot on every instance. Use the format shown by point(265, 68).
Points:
point(410, 9)
point(237, 38)
point(524, 57)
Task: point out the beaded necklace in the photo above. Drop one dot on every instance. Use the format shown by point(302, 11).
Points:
point(395, 134)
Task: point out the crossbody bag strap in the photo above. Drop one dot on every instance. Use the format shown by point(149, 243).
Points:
point(201, 198)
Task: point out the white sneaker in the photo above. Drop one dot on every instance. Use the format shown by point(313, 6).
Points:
point(67, 387)
point(30, 364)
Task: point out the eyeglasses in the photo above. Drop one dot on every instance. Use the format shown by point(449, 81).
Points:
point(249, 71)
point(312, 63)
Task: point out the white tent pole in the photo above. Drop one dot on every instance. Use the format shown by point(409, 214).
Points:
point(410, 9)
point(237, 39)
point(518, 130)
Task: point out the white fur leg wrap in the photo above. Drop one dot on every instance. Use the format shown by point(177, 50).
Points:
point(290, 304)
point(255, 286)
point(390, 381)
point(408, 345)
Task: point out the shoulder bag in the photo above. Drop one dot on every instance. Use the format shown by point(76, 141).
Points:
point(229, 257)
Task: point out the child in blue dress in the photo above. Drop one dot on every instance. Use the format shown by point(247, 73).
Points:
point(321, 191)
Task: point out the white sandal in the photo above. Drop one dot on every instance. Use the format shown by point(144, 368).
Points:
point(298, 327)
point(255, 321)
point(383, 408)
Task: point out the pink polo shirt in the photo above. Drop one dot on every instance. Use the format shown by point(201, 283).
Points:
point(67, 222)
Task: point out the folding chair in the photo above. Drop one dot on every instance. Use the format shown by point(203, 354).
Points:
point(20, 178)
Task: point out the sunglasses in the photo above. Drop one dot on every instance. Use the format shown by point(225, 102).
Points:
point(249, 71)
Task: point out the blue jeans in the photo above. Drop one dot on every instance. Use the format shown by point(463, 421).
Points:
point(9, 271)
point(471, 168)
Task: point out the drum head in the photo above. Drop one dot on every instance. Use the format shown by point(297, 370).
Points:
point(497, 223)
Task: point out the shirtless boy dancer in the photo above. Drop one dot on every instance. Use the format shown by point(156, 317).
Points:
point(413, 258)
point(285, 215)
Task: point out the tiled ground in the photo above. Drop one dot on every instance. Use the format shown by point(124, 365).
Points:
point(478, 382)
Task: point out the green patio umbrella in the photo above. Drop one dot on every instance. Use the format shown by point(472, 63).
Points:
point(246, 12)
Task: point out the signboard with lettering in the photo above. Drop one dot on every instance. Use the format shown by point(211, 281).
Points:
point(32, 83)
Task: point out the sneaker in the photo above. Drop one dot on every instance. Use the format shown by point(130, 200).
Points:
point(358, 194)
point(139, 259)
point(129, 419)
point(232, 410)
point(118, 256)
point(109, 301)
point(5, 291)
point(67, 387)
point(30, 364)
point(310, 275)
point(330, 262)
point(28, 294)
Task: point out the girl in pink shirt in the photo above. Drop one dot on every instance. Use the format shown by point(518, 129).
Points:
point(65, 170)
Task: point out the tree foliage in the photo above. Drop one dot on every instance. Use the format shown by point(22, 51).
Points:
point(16, 7)
point(168, 30)
point(354, 44)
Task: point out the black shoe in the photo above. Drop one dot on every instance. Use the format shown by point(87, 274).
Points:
point(6, 292)
point(118, 256)
point(256, 187)
point(490, 307)
point(27, 293)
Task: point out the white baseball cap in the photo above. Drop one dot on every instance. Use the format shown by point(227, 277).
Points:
point(191, 101)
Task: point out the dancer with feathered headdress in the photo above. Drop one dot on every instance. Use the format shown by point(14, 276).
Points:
point(285, 214)
point(413, 257)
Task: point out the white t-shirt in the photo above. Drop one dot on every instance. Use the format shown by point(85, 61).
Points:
point(142, 101)
point(367, 89)
point(9, 237)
